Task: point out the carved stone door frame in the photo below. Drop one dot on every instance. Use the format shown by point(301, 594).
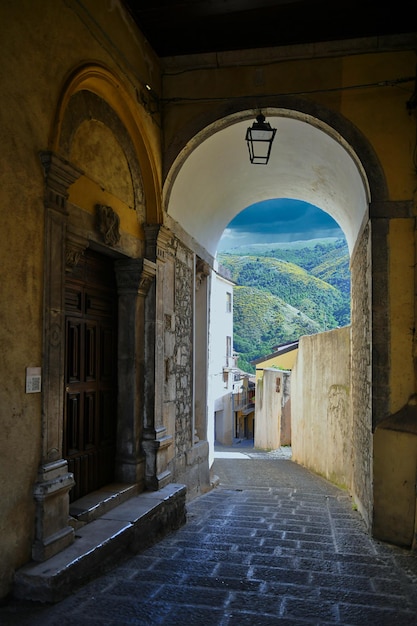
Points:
point(63, 247)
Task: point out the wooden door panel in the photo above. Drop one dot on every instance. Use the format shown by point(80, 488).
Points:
point(90, 421)
point(107, 421)
point(74, 346)
point(98, 304)
point(82, 475)
point(90, 351)
point(73, 300)
point(92, 470)
point(72, 424)
point(107, 350)
point(91, 376)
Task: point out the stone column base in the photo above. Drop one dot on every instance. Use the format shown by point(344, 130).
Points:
point(157, 475)
point(52, 533)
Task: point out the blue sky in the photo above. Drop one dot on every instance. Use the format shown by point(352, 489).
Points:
point(279, 220)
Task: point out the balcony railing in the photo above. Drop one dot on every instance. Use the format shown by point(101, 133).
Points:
point(243, 400)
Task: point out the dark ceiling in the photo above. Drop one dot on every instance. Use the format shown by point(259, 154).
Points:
point(177, 27)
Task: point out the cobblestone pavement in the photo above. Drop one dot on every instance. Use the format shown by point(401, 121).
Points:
point(272, 544)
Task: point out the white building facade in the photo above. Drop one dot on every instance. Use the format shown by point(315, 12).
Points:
point(221, 367)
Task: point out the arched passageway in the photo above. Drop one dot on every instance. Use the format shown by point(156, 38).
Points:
point(212, 181)
point(309, 161)
point(147, 180)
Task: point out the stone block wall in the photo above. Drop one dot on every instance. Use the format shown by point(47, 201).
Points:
point(184, 288)
point(362, 375)
point(189, 456)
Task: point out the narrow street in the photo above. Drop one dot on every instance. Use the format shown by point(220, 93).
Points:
point(272, 544)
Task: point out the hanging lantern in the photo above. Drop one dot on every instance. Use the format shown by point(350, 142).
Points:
point(259, 139)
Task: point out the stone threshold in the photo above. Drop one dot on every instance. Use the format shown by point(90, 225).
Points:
point(95, 504)
point(106, 540)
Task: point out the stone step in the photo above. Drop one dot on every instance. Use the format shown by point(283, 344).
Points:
point(99, 545)
point(97, 503)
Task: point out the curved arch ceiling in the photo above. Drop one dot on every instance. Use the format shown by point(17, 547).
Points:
point(217, 180)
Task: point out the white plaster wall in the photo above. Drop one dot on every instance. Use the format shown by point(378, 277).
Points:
point(321, 414)
point(220, 327)
point(224, 421)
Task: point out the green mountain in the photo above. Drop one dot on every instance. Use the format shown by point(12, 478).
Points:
point(282, 293)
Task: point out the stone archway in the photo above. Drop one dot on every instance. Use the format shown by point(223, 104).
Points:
point(211, 181)
point(310, 161)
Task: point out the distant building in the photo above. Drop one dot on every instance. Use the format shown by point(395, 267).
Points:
point(283, 357)
point(273, 407)
point(222, 361)
point(243, 405)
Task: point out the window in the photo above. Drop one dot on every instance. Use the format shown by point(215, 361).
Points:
point(228, 349)
point(228, 302)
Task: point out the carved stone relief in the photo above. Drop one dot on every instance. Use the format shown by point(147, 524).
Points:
point(202, 270)
point(108, 224)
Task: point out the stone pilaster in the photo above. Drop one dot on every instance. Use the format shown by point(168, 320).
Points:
point(134, 278)
point(155, 441)
point(52, 532)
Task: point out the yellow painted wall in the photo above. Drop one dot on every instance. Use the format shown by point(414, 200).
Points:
point(86, 193)
point(284, 361)
point(401, 303)
point(395, 470)
point(378, 110)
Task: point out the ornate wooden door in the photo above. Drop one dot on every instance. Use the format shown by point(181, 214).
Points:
point(90, 375)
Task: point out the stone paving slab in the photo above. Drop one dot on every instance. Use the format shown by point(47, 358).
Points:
point(272, 545)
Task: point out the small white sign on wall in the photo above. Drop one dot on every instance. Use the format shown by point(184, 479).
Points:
point(33, 380)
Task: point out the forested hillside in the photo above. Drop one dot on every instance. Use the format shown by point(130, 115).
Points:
point(283, 292)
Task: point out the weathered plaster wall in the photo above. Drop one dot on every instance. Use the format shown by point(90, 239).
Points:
point(286, 427)
point(42, 44)
point(401, 272)
point(271, 410)
point(392, 459)
point(321, 418)
point(224, 428)
point(268, 413)
point(395, 471)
